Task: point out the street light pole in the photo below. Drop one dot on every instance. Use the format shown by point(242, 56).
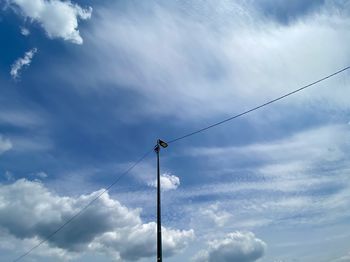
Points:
point(159, 223)
point(159, 215)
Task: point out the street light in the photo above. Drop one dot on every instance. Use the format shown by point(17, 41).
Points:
point(162, 144)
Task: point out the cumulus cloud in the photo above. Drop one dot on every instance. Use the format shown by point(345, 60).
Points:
point(236, 246)
point(5, 144)
point(167, 182)
point(20, 63)
point(141, 242)
point(28, 210)
point(58, 18)
point(8, 243)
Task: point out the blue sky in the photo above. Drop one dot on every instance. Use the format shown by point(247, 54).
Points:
point(88, 86)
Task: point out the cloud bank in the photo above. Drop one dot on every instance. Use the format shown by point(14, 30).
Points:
point(58, 18)
point(226, 55)
point(29, 211)
point(288, 178)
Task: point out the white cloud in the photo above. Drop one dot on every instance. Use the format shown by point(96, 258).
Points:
point(25, 61)
point(30, 211)
point(140, 241)
point(41, 174)
point(236, 246)
point(58, 18)
point(8, 243)
point(319, 143)
point(25, 31)
point(215, 214)
point(167, 182)
point(226, 56)
point(291, 164)
point(304, 174)
point(20, 117)
point(5, 144)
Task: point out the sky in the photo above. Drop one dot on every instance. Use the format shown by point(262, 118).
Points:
point(87, 87)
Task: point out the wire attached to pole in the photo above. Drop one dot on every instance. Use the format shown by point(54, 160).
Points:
point(164, 144)
point(84, 208)
point(258, 107)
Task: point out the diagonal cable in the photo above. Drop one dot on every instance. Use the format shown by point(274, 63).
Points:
point(172, 141)
point(258, 107)
point(84, 208)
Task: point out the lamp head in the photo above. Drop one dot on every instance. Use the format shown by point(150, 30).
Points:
point(162, 143)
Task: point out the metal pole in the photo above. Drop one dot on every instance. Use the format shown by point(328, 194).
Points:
point(159, 223)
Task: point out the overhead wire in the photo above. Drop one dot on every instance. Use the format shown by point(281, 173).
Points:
point(85, 207)
point(173, 141)
point(257, 107)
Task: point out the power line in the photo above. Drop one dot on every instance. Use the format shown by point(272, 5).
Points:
point(172, 141)
point(84, 208)
point(257, 107)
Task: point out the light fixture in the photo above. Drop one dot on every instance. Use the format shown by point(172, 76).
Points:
point(162, 143)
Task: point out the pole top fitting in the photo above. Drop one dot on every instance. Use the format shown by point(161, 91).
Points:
point(160, 143)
